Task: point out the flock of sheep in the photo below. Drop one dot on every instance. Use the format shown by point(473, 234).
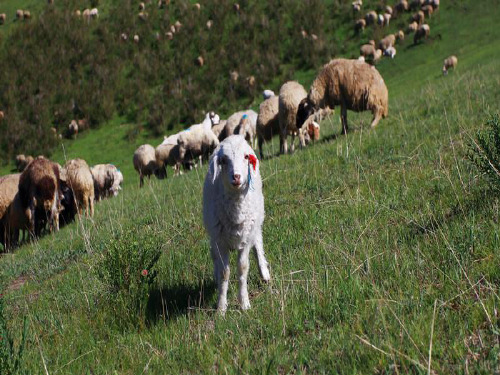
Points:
point(233, 202)
point(46, 194)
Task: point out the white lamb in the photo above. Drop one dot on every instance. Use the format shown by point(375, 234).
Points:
point(233, 213)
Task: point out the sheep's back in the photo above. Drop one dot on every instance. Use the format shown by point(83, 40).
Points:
point(268, 120)
point(291, 94)
point(9, 186)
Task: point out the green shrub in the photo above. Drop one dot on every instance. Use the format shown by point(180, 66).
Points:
point(10, 358)
point(126, 268)
point(484, 151)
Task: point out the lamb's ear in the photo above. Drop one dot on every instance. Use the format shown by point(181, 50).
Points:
point(214, 167)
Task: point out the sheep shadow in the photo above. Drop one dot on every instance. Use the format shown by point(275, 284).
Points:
point(170, 302)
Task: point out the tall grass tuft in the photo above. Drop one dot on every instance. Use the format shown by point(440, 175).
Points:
point(10, 357)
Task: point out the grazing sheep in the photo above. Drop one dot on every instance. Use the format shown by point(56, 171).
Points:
point(266, 94)
point(387, 19)
point(197, 6)
point(145, 163)
point(124, 37)
point(380, 19)
point(309, 132)
point(387, 42)
point(172, 29)
point(210, 23)
point(78, 13)
point(291, 94)
point(86, 15)
point(371, 42)
point(388, 9)
point(106, 180)
point(412, 27)
point(219, 128)
point(418, 17)
point(353, 85)
point(136, 38)
point(167, 153)
point(422, 33)
point(68, 209)
point(199, 61)
point(19, 14)
point(234, 75)
point(401, 6)
point(371, 17)
point(248, 128)
point(39, 193)
point(9, 186)
point(143, 16)
point(428, 10)
point(356, 8)
point(360, 25)
point(268, 123)
point(390, 51)
point(79, 179)
point(15, 221)
point(27, 15)
point(2, 115)
point(377, 55)
point(234, 121)
point(22, 162)
point(400, 35)
point(236, 7)
point(177, 26)
point(211, 119)
point(72, 129)
point(251, 81)
point(450, 62)
point(169, 35)
point(195, 143)
point(3, 18)
point(94, 13)
point(367, 50)
point(142, 6)
point(233, 214)
point(434, 3)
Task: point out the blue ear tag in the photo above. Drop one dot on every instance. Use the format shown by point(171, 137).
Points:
point(245, 116)
point(250, 181)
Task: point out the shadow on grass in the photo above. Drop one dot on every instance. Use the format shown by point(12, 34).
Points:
point(167, 303)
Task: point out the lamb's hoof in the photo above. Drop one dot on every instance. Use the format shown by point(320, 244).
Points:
point(266, 276)
point(245, 305)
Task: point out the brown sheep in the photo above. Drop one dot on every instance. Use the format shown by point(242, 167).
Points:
point(27, 15)
point(268, 123)
point(428, 10)
point(400, 35)
point(39, 193)
point(412, 27)
point(367, 50)
point(422, 33)
point(167, 153)
point(290, 96)
point(353, 85)
point(360, 25)
point(145, 163)
point(401, 6)
point(15, 221)
point(3, 18)
point(23, 161)
point(387, 42)
point(371, 17)
point(450, 62)
point(79, 179)
point(418, 17)
point(9, 186)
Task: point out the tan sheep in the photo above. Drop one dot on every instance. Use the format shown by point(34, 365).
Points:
point(400, 35)
point(418, 17)
point(177, 26)
point(73, 129)
point(387, 19)
point(371, 17)
point(367, 50)
point(401, 6)
point(210, 23)
point(8, 191)
point(236, 7)
point(2, 115)
point(3, 18)
point(143, 16)
point(78, 13)
point(412, 27)
point(387, 42)
point(27, 15)
point(268, 123)
point(353, 85)
point(79, 179)
point(15, 221)
point(136, 39)
point(360, 25)
point(39, 193)
point(142, 6)
point(290, 96)
point(233, 123)
point(428, 10)
point(422, 33)
point(450, 62)
point(388, 9)
point(169, 35)
point(199, 61)
point(197, 6)
point(251, 81)
point(145, 163)
point(19, 14)
point(234, 75)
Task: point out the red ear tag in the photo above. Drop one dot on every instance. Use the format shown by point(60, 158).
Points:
point(252, 160)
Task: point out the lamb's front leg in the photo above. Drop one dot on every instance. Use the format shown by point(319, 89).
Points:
point(220, 257)
point(243, 266)
point(261, 258)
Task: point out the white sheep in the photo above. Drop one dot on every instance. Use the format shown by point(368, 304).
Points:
point(291, 94)
point(94, 13)
point(450, 62)
point(195, 142)
point(145, 163)
point(266, 94)
point(233, 214)
point(390, 51)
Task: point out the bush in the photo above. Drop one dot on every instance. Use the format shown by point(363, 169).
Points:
point(126, 269)
point(484, 151)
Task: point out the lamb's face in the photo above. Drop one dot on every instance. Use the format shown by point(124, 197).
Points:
point(304, 111)
point(236, 163)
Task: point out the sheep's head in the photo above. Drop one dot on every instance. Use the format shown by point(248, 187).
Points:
point(236, 164)
point(214, 117)
point(305, 110)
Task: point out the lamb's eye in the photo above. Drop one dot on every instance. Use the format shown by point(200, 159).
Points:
point(246, 157)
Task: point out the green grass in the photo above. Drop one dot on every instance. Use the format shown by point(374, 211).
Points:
point(375, 240)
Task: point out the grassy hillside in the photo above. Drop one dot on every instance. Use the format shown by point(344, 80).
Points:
point(382, 244)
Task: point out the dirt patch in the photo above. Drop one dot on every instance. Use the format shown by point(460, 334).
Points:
point(17, 283)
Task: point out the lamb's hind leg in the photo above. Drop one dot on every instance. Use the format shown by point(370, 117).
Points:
point(376, 118)
point(220, 257)
point(261, 258)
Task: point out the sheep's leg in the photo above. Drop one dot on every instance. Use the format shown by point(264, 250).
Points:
point(343, 118)
point(292, 145)
point(220, 257)
point(376, 118)
point(283, 142)
point(261, 142)
point(141, 180)
point(261, 258)
point(243, 266)
point(91, 205)
point(200, 160)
